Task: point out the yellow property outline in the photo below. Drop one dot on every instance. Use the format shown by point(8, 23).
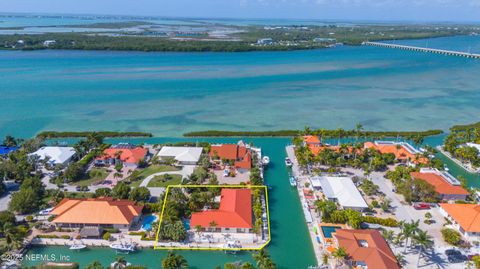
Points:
point(212, 186)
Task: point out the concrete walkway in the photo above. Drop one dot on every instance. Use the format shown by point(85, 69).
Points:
point(186, 171)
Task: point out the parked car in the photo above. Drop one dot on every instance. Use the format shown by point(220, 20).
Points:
point(421, 206)
point(452, 252)
point(457, 258)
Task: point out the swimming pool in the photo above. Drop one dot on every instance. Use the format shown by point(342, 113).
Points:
point(147, 222)
point(328, 230)
point(186, 224)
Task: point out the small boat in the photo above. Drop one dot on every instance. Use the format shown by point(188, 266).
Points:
point(288, 162)
point(293, 182)
point(123, 247)
point(265, 160)
point(77, 247)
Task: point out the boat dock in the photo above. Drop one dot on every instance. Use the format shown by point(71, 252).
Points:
point(309, 219)
point(422, 49)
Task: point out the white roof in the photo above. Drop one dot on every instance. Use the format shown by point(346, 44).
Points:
point(342, 189)
point(58, 155)
point(315, 181)
point(181, 154)
point(477, 146)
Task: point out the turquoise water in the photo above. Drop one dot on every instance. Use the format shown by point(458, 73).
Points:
point(328, 230)
point(147, 222)
point(172, 93)
point(290, 247)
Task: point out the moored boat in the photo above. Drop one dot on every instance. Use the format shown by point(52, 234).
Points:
point(123, 247)
point(288, 162)
point(265, 160)
point(293, 181)
point(77, 247)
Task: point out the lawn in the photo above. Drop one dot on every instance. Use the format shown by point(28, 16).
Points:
point(161, 181)
point(139, 175)
point(94, 176)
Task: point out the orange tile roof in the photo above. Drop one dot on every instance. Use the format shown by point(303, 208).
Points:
point(126, 155)
point(440, 184)
point(376, 254)
point(95, 211)
point(240, 154)
point(401, 153)
point(311, 139)
point(235, 211)
point(466, 215)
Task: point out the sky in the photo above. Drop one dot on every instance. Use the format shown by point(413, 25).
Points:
point(375, 10)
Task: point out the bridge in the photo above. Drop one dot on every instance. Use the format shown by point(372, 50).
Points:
point(421, 49)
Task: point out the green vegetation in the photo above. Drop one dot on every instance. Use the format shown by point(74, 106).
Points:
point(413, 190)
point(55, 134)
point(165, 180)
point(451, 236)
point(325, 133)
point(455, 143)
point(93, 176)
point(29, 198)
point(293, 37)
point(174, 261)
point(150, 170)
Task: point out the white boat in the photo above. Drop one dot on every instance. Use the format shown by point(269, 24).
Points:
point(293, 182)
point(288, 162)
point(123, 247)
point(77, 247)
point(265, 160)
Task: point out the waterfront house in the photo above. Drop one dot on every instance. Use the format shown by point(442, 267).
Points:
point(55, 155)
point(234, 214)
point(343, 191)
point(125, 153)
point(447, 186)
point(465, 218)
point(403, 151)
point(265, 41)
point(99, 213)
point(183, 155)
point(239, 155)
point(366, 249)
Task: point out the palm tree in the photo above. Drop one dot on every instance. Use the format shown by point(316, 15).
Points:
point(174, 261)
point(11, 237)
point(389, 235)
point(409, 230)
point(120, 263)
point(213, 225)
point(358, 130)
point(340, 254)
point(424, 241)
point(94, 265)
point(401, 259)
point(263, 260)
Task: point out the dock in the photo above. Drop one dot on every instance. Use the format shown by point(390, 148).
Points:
point(422, 49)
point(309, 217)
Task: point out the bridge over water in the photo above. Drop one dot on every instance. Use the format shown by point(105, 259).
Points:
point(421, 49)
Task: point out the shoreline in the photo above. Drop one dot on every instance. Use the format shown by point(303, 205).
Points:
point(466, 167)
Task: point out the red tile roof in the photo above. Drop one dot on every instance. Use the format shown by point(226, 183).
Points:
point(126, 155)
point(466, 215)
point(375, 252)
point(441, 185)
point(311, 139)
point(96, 211)
point(401, 153)
point(239, 153)
point(235, 211)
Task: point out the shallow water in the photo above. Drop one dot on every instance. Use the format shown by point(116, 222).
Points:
point(172, 93)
